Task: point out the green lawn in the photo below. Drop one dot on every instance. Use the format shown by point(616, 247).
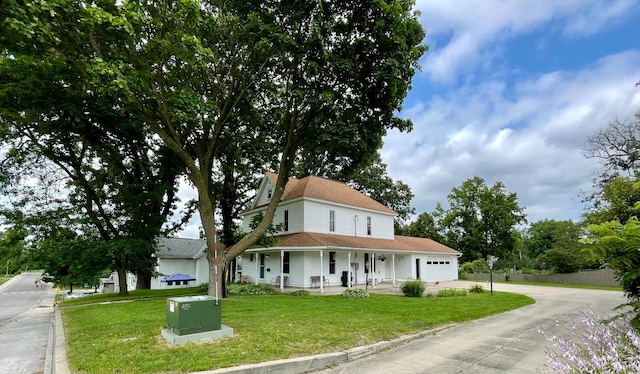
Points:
point(125, 336)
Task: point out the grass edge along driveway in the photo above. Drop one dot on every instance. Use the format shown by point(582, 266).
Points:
point(125, 336)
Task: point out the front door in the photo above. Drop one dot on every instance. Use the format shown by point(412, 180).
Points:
point(261, 265)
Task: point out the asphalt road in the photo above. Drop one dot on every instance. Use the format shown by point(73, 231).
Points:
point(26, 314)
point(505, 343)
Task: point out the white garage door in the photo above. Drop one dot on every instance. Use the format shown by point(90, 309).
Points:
point(440, 269)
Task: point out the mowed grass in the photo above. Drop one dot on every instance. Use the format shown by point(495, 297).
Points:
point(124, 337)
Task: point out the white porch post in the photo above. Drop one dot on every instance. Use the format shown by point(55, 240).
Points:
point(281, 271)
point(321, 272)
point(393, 268)
point(349, 274)
point(374, 266)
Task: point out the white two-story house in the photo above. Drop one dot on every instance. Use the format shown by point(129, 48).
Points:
point(333, 235)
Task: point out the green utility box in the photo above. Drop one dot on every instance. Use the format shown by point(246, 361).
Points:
point(193, 314)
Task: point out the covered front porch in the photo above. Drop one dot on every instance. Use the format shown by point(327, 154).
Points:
point(325, 268)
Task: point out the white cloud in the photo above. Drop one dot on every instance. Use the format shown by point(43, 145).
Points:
point(526, 134)
point(465, 35)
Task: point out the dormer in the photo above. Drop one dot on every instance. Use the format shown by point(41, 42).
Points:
point(265, 191)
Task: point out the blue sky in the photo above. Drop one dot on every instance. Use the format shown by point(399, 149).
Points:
point(509, 91)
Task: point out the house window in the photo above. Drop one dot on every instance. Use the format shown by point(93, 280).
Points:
point(285, 262)
point(269, 193)
point(332, 220)
point(368, 225)
point(286, 220)
point(332, 262)
point(251, 257)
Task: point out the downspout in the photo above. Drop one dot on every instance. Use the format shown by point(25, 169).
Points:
point(355, 227)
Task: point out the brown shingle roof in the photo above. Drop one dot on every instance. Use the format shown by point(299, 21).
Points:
point(328, 190)
point(400, 243)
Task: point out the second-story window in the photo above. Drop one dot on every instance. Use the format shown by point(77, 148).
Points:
point(286, 220)
point(332, 220)
point(368, 225)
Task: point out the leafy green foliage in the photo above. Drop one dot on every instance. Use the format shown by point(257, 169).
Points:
point(426, 225)
point(616, 201)
point(268, 239)
point(476, 288)
point(481, 221)
point(300, 293)
point(617, 147)
point(235, 83)
point(250, 289)
point(451, 292)
point(562, 260)
point(355, 293)
point(12, 251)
point(475, 266)
point(617, 246)
point(412, 288)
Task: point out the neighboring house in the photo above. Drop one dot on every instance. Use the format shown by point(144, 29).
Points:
point(181, 263)
point(181, 256)
point(335, 233)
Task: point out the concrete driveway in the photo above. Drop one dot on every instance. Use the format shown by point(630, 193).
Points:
point(505, 343)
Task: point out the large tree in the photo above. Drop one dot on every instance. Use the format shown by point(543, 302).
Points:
point(426, 225)
point(617, 147)
point(481, 221)
point(295, 77)
point(122, 184)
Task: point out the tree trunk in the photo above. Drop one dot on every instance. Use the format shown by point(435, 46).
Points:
point(121, 269)
point(143, 281)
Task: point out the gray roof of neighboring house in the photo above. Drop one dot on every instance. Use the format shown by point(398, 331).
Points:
point(181, 248)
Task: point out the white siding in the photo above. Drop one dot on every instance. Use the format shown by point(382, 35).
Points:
point(263, 197)
point(296, 216)
point(348, 221)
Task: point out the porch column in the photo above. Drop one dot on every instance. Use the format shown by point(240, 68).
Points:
point(374, 266)
point(393, 268)
point(349, 275)
point(281, 271)
point(321, 272)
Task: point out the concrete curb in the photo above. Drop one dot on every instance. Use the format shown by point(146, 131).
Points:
point(322, 361)
point(60, 365)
